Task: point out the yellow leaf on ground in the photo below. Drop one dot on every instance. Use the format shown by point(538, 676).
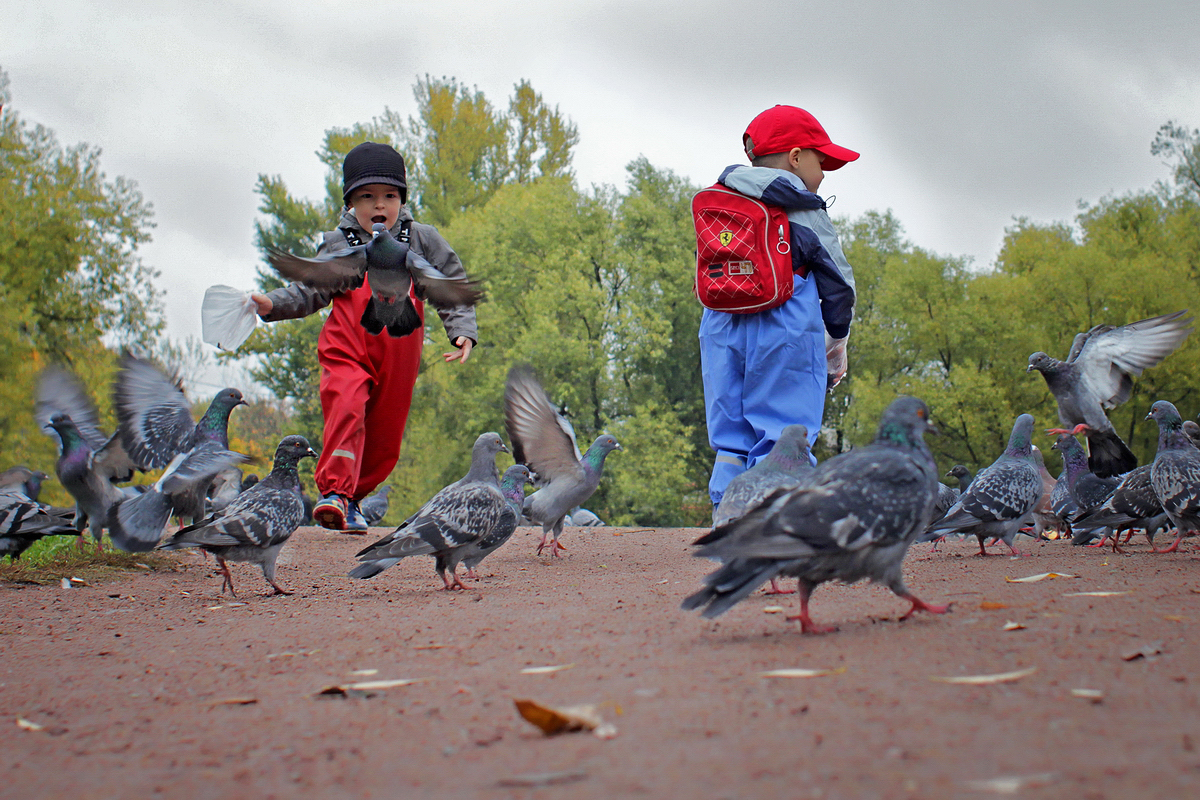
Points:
point(800, 672)
point(1035, 578)
point(984, 680)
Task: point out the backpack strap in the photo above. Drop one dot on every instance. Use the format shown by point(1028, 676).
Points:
point(354, 240)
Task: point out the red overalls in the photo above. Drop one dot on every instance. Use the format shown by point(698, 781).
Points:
point(366, 390)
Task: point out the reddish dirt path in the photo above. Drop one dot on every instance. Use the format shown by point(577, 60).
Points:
point(128, 677)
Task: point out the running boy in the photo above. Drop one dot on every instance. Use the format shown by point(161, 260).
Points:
point(367, 380)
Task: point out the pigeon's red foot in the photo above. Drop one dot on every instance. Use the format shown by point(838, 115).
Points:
point(278, 589)
point(471, 574)
point(777, 589)
point(1174, 545)
point(808, 626)
point(1100, 543)
point(920, 605)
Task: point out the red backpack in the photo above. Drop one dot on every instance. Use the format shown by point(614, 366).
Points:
point(743, 252)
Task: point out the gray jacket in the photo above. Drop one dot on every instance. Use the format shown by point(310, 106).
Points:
point(297, 300)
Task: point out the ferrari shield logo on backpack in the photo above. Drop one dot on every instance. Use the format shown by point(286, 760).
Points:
point(743, 252)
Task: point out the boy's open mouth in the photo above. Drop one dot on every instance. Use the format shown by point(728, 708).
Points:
point(379, 218)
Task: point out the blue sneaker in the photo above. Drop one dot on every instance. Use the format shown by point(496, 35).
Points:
point(355, 521)
point(330, 512)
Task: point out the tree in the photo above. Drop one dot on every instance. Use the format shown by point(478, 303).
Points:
point(1181, 148)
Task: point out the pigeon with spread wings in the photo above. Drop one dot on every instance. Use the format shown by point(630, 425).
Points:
point(390, 266)
point(541, 442)
point(1098, 375)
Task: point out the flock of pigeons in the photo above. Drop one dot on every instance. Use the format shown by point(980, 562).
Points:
point(201, 482)
point(851, 517)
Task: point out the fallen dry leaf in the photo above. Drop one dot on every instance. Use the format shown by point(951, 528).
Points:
point(1095, 594)
point(1145, 651)
point(1011, 784)
point(366, 673)
point(1095, 695)
point(800, 672)
point(988, 605)
point(534, 779)
point(25, 724)
point(429, 646)
point(1174, 618)
point(983, 680)
point(1035, 578)
point(772, 609)
point(236, 701)
point(552, 720)
point(1013, 626)
point(369, 686)
point(545, 670)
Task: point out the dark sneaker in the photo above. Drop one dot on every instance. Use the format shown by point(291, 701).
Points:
point(330, 512)
point(355, 521)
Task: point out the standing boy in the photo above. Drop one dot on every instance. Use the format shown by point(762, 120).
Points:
point(367, 380)
point(766, 370)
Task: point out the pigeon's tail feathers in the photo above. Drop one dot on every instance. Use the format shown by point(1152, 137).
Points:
point(1109, 455)
point(372, 568)
point(730, 584)
point(198, 467)
point(137, 524)
point(400, 320)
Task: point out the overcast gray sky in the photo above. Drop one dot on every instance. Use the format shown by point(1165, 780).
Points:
point(966, 114)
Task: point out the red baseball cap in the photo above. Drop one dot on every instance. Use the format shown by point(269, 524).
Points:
point(779, 129)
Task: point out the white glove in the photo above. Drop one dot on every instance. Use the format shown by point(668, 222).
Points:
point(835, 357)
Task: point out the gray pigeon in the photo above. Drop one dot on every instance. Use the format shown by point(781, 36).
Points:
point(390, 267)
point(225, 488)
point(1001, 497)
point(255, 526)
point(582, 518)
point(1087, 489)
point(540, 442)
point(854, 519)
point(1175, 473)
point(1192, 431)
point(59, 392)
point(375, 507)
point(785, 467)
point(1132, 504)
point(453, 521)
point(28, 481)
point(1098, 375)
point(23, 521)
point(155, 423)
point(82, 473)
point(512, 486)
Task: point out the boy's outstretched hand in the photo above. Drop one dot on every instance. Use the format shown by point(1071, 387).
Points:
point(464, 345)
point(264, 304)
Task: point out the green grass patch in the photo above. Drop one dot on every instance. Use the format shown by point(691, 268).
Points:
point(53, 558)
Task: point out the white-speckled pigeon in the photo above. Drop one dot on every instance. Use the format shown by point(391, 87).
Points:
point(375, 507)
point(255, 526)
point(1175, 473)
point(390, 267)
point(854, 519)
point(155, 423)
point(455, 519)
point(1001, 497)
point(512, 486)
point(23, 521)
point(540, 442)
point(1098, 375)
point(1132, 504)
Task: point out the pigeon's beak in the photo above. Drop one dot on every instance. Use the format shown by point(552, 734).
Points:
point(931, 428)
point(1150, 415)
point(313, 453)
point(1030, 368)
point(503, 448)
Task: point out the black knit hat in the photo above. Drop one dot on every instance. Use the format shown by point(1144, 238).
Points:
point(373, 163)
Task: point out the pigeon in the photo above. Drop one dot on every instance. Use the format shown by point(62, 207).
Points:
point(1192, 431)
point(1132, 504)
point(136, 524)
point(390, 267)
point(1043, 515)
point(540, 442)
point(225, 488)
point(582, 518)
point(1000, 498)
point(82, 473)
point(854, 518)
point(155, 423)
point(23, 521)
point(785, 467)
point(255, 526)
point(512, 486)
point(374, 507)
point(59, 392)
point(1098, 375)
point(1087, 489)
point(28, 481)
point(454, 520)
point(1175, 473)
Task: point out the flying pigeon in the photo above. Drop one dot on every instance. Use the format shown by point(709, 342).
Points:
point(1132, 504)
point(255, 526)
point(225, 488)
point(1175, 473)
point(390, 267)
point(374, 507)
point(1000, 497)
point(155, 423)
point(23, 521)
point(136, 525)
point(454, 520)
point(59, 392)
point(541, 443)
point(79, 471)
point(512, 486)
point(853, 519)
point(785, 467)
point(1098, 375)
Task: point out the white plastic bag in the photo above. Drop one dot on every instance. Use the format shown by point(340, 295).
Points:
point(228, 317)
